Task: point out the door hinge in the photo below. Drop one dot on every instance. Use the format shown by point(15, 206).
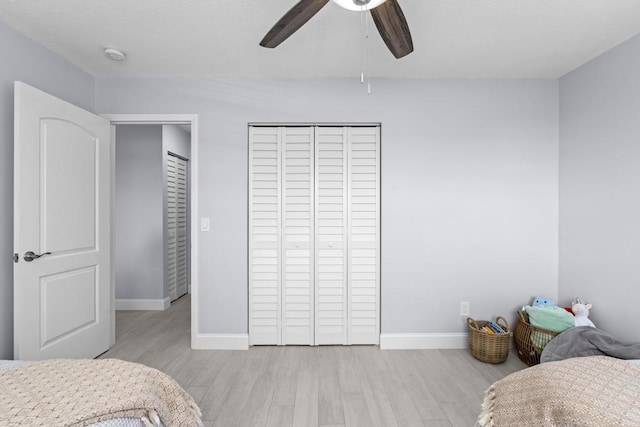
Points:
point(16, 257)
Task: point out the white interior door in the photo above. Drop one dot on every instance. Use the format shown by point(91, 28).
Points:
point(176, 226)
point(62, 213)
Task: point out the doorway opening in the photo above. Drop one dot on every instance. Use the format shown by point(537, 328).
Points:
point(151, 227)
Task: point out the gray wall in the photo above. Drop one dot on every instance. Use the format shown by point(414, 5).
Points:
point(176, 140)
point(469, 186)
point(600, 188)
point(24, 60)
point(139, 213)
point(470, 182)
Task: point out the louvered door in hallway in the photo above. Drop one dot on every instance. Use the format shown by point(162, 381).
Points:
point(177, 236)
point(314, 235)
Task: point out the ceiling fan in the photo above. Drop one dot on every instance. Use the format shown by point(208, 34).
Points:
point(386, 14)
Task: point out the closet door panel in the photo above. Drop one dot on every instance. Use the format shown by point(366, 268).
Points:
point(331, 238)
point(182, 216)
point(297, 217)
point(172, 226)
point(176, 189)
point(264, 236)
point(364, 235)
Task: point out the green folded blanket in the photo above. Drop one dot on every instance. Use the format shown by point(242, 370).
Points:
point(553, 319)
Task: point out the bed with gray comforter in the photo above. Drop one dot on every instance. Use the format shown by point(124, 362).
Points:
point(587, 378)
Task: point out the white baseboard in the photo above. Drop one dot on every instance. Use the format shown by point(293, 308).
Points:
point(220, 342)
point(422, 341)
point(143, 304)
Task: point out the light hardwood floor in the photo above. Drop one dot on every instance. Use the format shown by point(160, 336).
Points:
point(310, 386)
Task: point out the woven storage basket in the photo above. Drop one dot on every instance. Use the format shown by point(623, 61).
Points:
point(490, 348)
point(530, 340)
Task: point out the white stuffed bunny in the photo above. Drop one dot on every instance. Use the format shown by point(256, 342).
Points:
point(581, 313)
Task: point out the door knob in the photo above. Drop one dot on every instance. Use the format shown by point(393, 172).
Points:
point(30, 256)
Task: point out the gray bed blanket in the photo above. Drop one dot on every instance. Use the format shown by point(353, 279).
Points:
point(587, 341)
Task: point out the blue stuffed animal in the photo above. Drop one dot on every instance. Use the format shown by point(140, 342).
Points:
point(543, 302)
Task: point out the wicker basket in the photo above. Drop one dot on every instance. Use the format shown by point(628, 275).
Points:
point(489, 348)
point(530, 340)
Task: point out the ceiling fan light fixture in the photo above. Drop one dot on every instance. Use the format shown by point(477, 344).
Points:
point(114, 53)
point(358, 5)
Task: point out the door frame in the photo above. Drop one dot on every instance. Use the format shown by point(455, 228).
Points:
point(161, 119)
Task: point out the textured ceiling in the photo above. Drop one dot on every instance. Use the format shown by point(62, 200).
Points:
point(219, 38)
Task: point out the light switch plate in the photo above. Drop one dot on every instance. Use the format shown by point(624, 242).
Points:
point(204, 224)
point(464, 308)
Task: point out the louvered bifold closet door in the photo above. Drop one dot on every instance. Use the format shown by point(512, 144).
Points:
point(181, 227)
point(264, 236)
point(172, 223)
point(314, 233)
point(297, 223)
point(331, 235)
point(364, 235)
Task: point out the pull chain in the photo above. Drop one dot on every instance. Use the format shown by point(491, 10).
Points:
point(362, 42)
point(364, 48)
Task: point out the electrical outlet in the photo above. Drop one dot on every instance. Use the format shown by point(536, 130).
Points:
point(464, 308)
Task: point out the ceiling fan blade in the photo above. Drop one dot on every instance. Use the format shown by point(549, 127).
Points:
point(393, 28)
point(292, 21)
